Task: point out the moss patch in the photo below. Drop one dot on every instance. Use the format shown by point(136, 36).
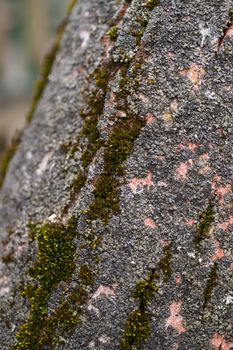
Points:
point(151, 4)
point(211, 284)
point(206, 220)
point(6, 157)
point(118, 148)
point(54, 263)
point(138, 325)
point(113, 33)
point(47, 65)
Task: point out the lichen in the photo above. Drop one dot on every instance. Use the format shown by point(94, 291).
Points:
point(138, 325)
point(6, 157)
point(211, 284)
point(206, 220)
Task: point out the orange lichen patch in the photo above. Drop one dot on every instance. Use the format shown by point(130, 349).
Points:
point(182, 170)
point(204, 170)
point(161, 158)
point(204, 157)
point(165, 243)
point(178, 280)
point(137, 185)
point(195, 73)
point(181, 146)
point(224, 225)
point(218, 341)
point(150, 118)
point(229, 32)
point(192, 147)
point(190, 222)
point(215, 182)
point(219, 252)
point(222, 191)
point(150, 223)
point(175, 320)
point(105, 291)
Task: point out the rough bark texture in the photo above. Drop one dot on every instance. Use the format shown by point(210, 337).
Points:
point(116, 212)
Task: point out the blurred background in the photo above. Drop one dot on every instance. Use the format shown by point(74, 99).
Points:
point(27, 30)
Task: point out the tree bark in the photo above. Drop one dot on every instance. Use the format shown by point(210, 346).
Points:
point(116, 212)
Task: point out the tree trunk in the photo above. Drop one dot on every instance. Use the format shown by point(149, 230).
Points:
point(116, 212)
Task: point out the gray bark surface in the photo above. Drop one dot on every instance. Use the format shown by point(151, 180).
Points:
point(162, 267)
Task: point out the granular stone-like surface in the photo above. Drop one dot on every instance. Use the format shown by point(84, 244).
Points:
point(170, 69)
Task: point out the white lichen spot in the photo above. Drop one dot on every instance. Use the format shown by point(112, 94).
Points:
point(52, 218)
point(43, 164)
point(4, 286)
point(205, 33)
point(90, 308)
point(104, 339)
point(91, 345)
point(229, 299)
point(85, 36)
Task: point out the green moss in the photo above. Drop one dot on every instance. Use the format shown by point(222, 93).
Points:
point(47, 65)
point(86, 275)
point(101, 76)
point(151, 4)
point(211, 284)
point(113, 33)
point(206, 220)
point(6, 157)
point(63, 320)
point(46, 68)
point(54, 263)
point(138, 326)
point(137, 330)
point(118, 148)
point(77, 184)
point(165, 263)
point(124, 83)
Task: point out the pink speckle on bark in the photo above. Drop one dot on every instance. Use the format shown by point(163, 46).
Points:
point(190, 222)
point(182, 170)
point(204, 170)
point(192, 147)
point(178, 280)
point(150, 118)
point(105, 291)
point(222, 191)
point(150, 223)
point(224, 225)
point(229, 32)
point(195, 73)
point(219, 254)
point(160, 158)
point(204, 157)
point(137, 185)
point(218, 341)
point(175, 320)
